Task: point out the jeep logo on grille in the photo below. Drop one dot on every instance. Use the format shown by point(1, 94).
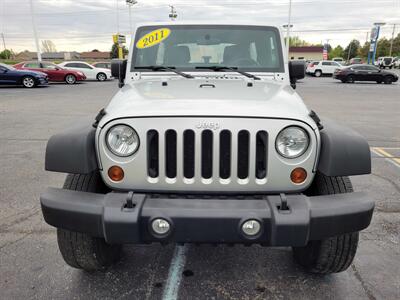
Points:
point(208, 125)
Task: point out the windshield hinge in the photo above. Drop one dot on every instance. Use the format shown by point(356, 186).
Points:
point(99, 116)
point(313, 115)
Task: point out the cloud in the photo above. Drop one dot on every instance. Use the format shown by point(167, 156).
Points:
point(88, 24)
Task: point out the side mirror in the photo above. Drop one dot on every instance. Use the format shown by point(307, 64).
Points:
point(297, 70)
point(118, 70)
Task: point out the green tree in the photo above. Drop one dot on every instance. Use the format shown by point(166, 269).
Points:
point(336, 52)
point(383, 47)
point(363, 51)
point(352, 49)
point(114, 51)
point(6, 54)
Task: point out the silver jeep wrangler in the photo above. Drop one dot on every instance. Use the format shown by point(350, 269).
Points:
point(207, 142)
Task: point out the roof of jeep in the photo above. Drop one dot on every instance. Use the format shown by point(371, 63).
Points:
point(172, 23)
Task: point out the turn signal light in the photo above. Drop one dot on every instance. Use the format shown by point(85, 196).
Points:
point(116, 173)
point(298, 175)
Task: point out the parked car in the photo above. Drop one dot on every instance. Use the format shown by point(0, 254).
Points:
point(386, 62)
point(29, 79)
point(182, 156)
point(324, 67)
point(91, 72)
point(54, 72)
point(378, 61)
point(339, 60)
point(396, 62)
point(102, 65)
point(355, 61)
point(364, 73)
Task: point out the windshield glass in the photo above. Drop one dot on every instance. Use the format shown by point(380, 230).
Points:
point(249, 48)
point(7, 66)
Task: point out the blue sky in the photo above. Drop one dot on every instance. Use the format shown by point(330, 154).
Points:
point(88, 24)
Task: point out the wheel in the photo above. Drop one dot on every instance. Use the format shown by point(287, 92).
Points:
point(350, 79)
point(80, 250)
point(318, 73)
point(343, 80)
point(28, 82)
point(70, 79)
point(101, 77)
point(379, 81)
point(334, 254)
point(388, 80)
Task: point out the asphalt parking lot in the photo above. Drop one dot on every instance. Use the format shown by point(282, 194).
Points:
point(31, 266)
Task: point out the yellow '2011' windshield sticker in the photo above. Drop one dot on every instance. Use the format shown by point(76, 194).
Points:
point(153, 38)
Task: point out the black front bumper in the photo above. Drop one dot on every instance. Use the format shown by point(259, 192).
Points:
point(207, 220)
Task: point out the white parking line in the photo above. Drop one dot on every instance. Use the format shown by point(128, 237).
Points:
point(178, 261)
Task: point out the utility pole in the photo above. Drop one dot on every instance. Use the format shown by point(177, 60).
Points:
point(130, 3)
point(288, 28)
point(348, 54)
point(391, 42)
point(116, 2)
point(173, 14)
point(39, 55)
point(367, 37)
point(4, 41)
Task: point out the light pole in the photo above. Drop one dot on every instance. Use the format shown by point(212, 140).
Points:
point(39, 55)
point(130, 3)
point(374, 40)
point(289, 25)
point(391, 42)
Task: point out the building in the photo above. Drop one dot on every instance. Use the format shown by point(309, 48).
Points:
point(306, 53)
point(95, 55)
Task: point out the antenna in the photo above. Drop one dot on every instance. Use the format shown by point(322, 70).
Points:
point(173, 14)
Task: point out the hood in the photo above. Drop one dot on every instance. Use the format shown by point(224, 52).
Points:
point(207, 97)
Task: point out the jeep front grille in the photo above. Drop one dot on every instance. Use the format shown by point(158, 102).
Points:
point(207, 155)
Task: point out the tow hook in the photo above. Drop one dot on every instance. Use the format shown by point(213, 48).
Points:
point(284, 207)
point(129, 205)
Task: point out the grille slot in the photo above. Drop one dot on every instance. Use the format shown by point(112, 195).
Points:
point(225, 155)
point(170, 153)
point(152, 153)
point(261, 154)
point(188, 153)
point(206, 153)
point(243, 154)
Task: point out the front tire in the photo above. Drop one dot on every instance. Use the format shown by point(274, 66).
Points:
point(388, 80)
point(28, 82)
point(101, 77)
point(334, 254)
point(350, 79)
point(318, 73)
point(70, 79)
point(80, 250)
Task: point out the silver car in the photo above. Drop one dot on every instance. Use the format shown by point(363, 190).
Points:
point(207, 142)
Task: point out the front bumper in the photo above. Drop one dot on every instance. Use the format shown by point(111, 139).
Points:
point(207, 220)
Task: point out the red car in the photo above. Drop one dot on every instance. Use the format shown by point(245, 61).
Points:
point(55, 73)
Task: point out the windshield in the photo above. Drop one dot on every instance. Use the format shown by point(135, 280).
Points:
point(185, 47)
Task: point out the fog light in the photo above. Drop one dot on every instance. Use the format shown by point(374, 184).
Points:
point(298, 175)
point(251, 227)
point(116, 173)
point(160, 226)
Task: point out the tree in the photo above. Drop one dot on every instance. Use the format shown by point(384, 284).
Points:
point(383, 47)
point(363, 51)
point(48, 46)
point(114, 51)
point(353, 47)
point(295, 41)
point(336, 52)
point(6, 54)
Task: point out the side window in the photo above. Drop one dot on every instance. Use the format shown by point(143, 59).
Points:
point(70, 65)
point(82, 66)
point(32, 65)
point(49, 66)
point(326, 63)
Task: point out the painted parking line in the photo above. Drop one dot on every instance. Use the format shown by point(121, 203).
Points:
point(380, 151)
point(174, 279)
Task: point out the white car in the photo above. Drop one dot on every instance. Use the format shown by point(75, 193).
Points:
point(90, 71)
point(319, 68)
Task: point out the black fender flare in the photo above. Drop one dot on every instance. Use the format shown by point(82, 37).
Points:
point(344, 152)
point(73, 151)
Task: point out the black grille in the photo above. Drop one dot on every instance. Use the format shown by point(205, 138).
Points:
point(188, 153)
point(261, 154)
point(206, 153)
point(225, 148)
point(226, 141)
point(170, 153)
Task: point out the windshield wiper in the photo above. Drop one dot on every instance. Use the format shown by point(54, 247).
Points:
point(163, 68)
point(235, 69)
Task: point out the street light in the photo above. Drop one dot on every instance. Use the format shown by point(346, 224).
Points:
point(130, 3)
point(374, 40)
point(287, 27)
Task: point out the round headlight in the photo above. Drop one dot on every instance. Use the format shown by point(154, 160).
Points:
point(292, 142)
point(122, 140)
